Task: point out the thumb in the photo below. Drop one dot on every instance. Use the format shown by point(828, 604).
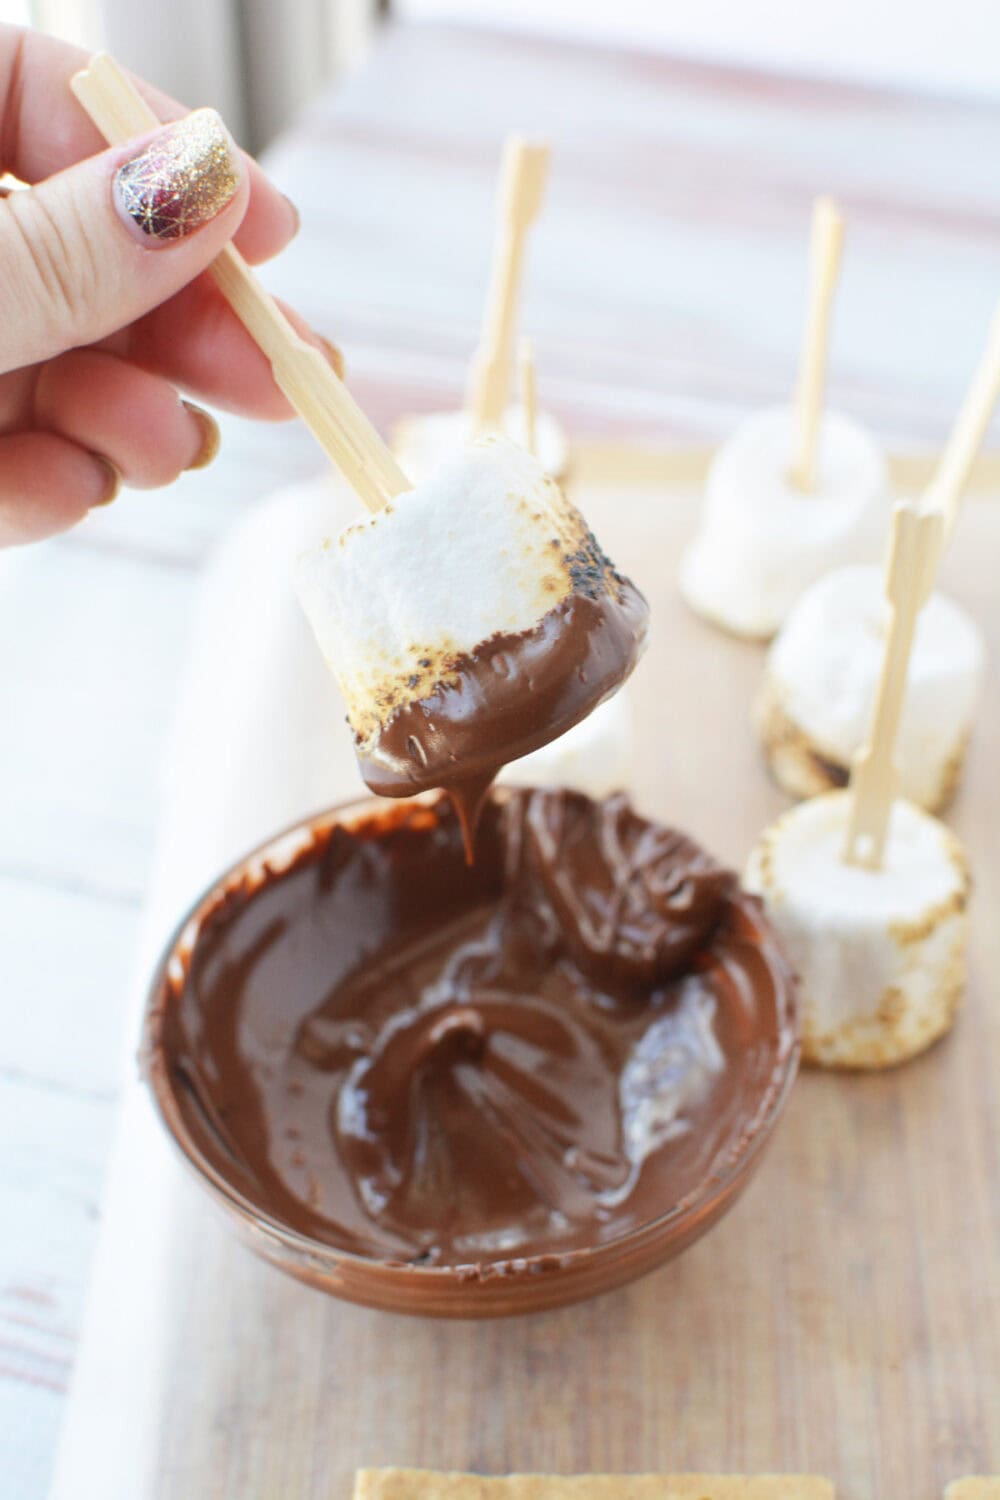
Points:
point(90, 250)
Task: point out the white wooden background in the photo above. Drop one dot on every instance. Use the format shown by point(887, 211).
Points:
point(664, 294)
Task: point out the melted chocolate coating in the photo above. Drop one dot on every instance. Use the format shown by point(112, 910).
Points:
point(514, 693)
point(416, 1061)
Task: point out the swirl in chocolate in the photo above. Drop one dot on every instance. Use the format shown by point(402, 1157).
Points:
point(416, 1061)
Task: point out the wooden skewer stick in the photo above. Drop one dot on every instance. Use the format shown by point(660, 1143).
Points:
point(529, 401)
point(914, 551)
point(825, 245)
point(919, 536)
point(522, 180)
point(302, 373)
point(951, 476)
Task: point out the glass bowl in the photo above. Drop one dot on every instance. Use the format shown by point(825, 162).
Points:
point(487, 1289)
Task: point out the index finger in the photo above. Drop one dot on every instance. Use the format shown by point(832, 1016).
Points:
point(44, 129)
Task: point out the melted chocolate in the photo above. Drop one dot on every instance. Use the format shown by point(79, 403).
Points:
point(514, 693)
point(415, 1061)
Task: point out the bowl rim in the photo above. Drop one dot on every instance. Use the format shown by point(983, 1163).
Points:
point(266, 857)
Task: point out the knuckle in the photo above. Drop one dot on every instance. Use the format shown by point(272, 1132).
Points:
point(55, 265)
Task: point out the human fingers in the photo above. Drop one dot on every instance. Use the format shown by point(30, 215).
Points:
point(47, 484)
point(44, 130)
point(128, 416)
point(199, 344)
point(95, 247)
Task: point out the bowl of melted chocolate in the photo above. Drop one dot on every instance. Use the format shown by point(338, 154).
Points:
point(473, 1090)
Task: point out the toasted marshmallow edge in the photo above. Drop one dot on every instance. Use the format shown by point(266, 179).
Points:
point(761, 541)
point(488, 544)
point(814, 708)
point(422, 443)
point(594, 757)
point(880, 954)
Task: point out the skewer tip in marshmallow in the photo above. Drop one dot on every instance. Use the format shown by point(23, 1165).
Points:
point(423, 443)
point(794, 490)
point(880, 954)
point(823, 669)
point(868, 892)
point(815, 703)
point(762, 540)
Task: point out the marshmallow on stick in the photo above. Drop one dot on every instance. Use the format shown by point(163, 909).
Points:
point(868, 893)
point(422, 443)
point(819, 683)
point(470, 623)
point(406, 639)
point(880, 954)
point(815, 702)
point(792, 492)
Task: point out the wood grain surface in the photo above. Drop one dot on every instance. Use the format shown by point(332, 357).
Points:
point(705, 234)
point(844, 1319)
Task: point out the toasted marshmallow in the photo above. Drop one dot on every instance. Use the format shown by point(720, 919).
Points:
point(762, 541)
point(423, 443)
point(489, 547)
point(815, 705)
point(880, 954)
point(595, 756)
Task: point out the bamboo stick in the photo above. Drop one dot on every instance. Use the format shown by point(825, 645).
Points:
point(913, 555)
point(951, 477)
point(825, 245)
point(522, 181)
point(529, 397)
point(301, 372)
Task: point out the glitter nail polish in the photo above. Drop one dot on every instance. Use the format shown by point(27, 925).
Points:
point(181, 179)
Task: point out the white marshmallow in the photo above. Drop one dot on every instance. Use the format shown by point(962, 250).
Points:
point(423, 443)
point(595, 756)
point(880, 954)
point(762, 541)
point(815, 707)
point(488, 544)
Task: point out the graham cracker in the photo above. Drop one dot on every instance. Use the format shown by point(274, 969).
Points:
point(974, 1487)
point(426, 1484)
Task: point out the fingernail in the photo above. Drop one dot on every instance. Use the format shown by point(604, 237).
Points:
point(113, 481)
point(333, 354)
point(210, 436)
point(295, 214)
point(182, 179)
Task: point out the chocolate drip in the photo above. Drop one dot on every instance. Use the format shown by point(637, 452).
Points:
point(414, 1060)
point(514, 693)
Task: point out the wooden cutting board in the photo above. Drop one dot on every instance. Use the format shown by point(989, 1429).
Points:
point(843, 1319)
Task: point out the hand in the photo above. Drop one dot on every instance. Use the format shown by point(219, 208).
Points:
point(104, 315)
